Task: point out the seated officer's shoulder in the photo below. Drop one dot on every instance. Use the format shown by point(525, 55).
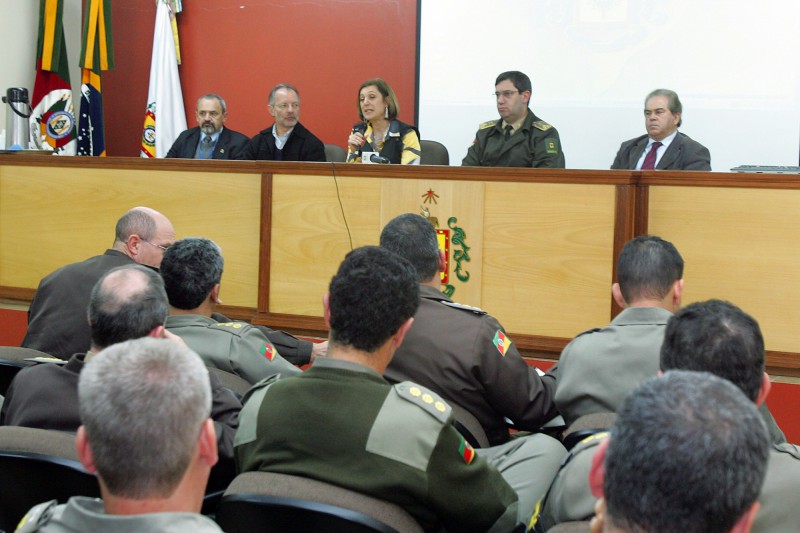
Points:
point(234, 328)
point(427, 400)
point(38, 517)
point(487, 124)
point(542, 125)
point(463, 307)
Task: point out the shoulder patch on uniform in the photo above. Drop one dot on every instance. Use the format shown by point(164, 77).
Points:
point(551, 145)
point(466, 451)
point(268, 351)
point(38, 516)
point(487, 124)
point(541, 125)
point(501, 342)
point(463, 307)
point(425, 398)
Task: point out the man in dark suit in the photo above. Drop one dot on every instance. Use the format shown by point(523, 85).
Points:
point(664, 147)
point(209, 139)
point(286, 139)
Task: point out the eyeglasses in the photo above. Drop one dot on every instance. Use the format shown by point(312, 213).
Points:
point(164, 248)
point(505, 94)
point(284, 107)
point(212, 114)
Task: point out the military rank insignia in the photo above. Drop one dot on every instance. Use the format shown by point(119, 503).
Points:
point(552, 145)
point(466, 451)
point(502, 342)
point(268, 351)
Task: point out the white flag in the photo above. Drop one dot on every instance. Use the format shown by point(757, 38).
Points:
point(165, 117)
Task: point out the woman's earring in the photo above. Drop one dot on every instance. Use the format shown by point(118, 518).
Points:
point(386, 112)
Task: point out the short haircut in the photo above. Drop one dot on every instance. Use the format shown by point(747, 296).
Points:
point(413, 238)
point(520, 80)
point(688, 452)
point(388, 96)
point(673, 102)
point(717, 337)
point(212, 96)
point(142, 403)
point(278, 88)
point(647, 267)
point(128, 302)
point(136, 222)
point(190, 268)
point(371, 295)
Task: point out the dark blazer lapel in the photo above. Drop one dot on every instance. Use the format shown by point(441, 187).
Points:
point(519, 137)
point(672, 154)
point(221, 149)
point(190, 146)
point(636, 151)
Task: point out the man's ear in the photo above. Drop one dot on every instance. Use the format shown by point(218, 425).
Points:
point(745, 522)
point(763, 392)
point(84, 450)
point(207, 443)
point(326, 306)
point(616, 292)
point(526, 96)
point(215, 294)
point(677, 293)
point(598, 472)
point(442, 261)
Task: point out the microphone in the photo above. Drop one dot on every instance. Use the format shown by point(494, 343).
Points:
point(360, 127)
point(375, 158)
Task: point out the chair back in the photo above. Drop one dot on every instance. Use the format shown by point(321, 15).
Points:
point(9, 369)
point(433, 153)
point(586, 426)
point(17, 353)
point(571, 527)
point(335, 153)
point(469, 427)
point(267, 502)
point(38, 465)
point(236, 384)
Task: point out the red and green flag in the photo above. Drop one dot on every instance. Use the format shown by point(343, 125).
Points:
point(53, 117)
point(97, 55)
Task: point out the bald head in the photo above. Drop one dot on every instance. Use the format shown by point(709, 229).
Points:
point(143, 234)
point(127, 303)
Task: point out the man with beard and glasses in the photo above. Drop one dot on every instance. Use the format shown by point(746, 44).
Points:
point(209, 139)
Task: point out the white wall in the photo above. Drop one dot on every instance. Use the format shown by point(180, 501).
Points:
point(734, 63)
point(19, 26)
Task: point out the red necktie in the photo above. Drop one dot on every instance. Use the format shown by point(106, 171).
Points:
point(650, 159)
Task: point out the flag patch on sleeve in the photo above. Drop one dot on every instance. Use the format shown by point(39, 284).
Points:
point(268, 351)
point(502, 342)
point(466, 451)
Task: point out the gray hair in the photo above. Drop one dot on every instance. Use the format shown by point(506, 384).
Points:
point(413, 238)
point(212, 96)
point(142, 403)
point(278, 88)
point(673, 102)
point(136, 221)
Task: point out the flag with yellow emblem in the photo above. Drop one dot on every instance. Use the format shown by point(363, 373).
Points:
point(97, 55)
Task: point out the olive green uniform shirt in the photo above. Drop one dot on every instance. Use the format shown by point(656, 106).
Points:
point(342, 423)
point(536, 144)
point(235, 347)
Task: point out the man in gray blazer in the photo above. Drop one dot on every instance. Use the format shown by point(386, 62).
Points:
point(664, 147)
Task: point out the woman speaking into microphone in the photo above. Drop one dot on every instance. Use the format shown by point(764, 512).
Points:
point(380, 133)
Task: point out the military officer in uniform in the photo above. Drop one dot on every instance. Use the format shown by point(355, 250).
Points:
point(719, 338)
point(192, 270)
point(396, 443)
point(462, 352)
point(519, 138)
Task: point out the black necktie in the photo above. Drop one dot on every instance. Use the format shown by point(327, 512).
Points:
point(509, 129)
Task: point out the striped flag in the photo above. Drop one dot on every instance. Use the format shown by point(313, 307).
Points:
point(97, 55)
point(165, 117)
point(52, 122)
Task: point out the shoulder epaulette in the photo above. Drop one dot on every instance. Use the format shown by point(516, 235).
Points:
point(37, 517)
point(231, 326)
point(593, 330)
point(541, 125)
point(424, 398)
point(463, 307)
point(487, 124)
point(790, 449)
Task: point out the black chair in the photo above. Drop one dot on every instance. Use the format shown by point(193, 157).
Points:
point(9, 369)
point(586, 426)
point(38, 465)
point(266, 502)
point(335, 153)
point(236, 384)
point(469, 427)
point(433, 153)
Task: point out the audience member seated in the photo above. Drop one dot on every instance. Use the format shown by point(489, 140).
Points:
point(719, 338)
point(380, 132)
point(192, 270)
point(286, 139)
point(147, 434)
point(601, 366)
point(687, 453)
point(57, 315)
point(459, 351)
point(340, 422)
point(127, 303)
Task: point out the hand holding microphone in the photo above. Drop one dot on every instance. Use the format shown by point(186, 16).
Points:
point(357, 139)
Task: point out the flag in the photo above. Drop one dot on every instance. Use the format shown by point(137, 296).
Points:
point(53, 117)
point(165, 117)
point(97, 55)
